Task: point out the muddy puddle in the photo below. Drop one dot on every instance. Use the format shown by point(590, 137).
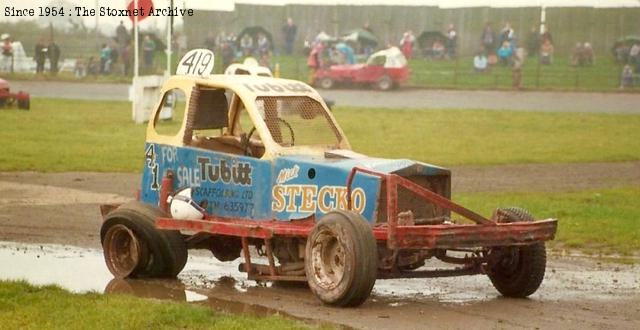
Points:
point(222, 287)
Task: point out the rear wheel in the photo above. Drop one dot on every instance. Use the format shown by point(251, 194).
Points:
point(133, 247)
point(519, 271)
point(385, 83)
point(326, 83)
point(341, 259)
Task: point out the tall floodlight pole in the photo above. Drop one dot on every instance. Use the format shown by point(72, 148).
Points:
point(136, 61)
point(96, 30)
point(169, 36)
point(543, 18)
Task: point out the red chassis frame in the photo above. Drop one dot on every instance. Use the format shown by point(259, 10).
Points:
point(485, 233)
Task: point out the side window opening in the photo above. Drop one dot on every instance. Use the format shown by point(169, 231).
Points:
point(208, 124)
point(173, 102)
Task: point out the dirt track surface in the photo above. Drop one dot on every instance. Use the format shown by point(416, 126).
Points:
point(62, 208)
point(404, 98)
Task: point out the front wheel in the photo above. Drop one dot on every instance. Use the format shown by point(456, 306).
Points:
point(341, 259)
point(519, 271)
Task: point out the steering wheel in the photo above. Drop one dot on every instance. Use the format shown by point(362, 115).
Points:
point(247, 139)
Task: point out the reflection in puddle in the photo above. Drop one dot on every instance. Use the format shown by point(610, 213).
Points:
point(205, 280)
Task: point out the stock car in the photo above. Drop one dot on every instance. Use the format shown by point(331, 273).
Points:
point(261, 162)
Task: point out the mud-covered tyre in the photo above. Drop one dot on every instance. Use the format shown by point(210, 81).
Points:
point(341, 259)
point(385, 83)
point(326, 83)
point(520, 270)
point(134, 247)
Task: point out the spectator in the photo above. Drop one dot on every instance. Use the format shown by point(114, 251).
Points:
point(126, 56)
point(634, 56)
point(621, 52)
point(368, 48)
point(533, 41)
point(488, 38)
point(54, 57)
point(588, 54)
point(367, 27)
point(347, 52)
point(480, 63)
point(210, 41)
point(263, 45)
point(505, 52)
point(507, 33)
point(315, 60)
point(289, 31)
point(452, 41)
point(40, 55)
point(246, 43)
point(626, 79)
point(546, 52)
point(148, 50)
point(221, 40)
point(7, 53)
point(227, 54)
point(546, 35)
point(406, 44)
point(437, 50)
point(105, 59)
point(577, 54)
point(80, 69)
point(92, 66)
point(516, 68)
point(122, 36)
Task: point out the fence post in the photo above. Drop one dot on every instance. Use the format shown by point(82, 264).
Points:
point(538, 73)
point(455, 73)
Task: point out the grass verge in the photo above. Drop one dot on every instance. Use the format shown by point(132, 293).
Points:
point(24, 306)
point(72, 135)
point(596, 221)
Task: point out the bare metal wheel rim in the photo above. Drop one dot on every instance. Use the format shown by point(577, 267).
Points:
point(122, 250)
point(385, 83)
point(326, 83)
point(328, 255)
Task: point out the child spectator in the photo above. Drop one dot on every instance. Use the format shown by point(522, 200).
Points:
point(505, 53)
point(437, 50)
point(105, 59)
point(626, 80)
point(589, 57)
point(577, 55)
point(546, 52)
point(480, 63)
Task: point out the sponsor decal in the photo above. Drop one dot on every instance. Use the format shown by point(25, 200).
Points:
point(313, 198)
point(236, 173)
point(287, 174)
point(278, 87)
